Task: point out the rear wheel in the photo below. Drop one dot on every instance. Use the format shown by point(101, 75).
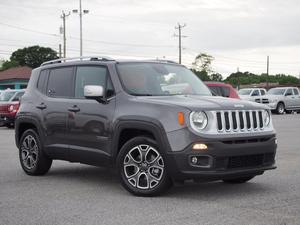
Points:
point(280, 108)
point(32, 158)
point(239, 180)
point(142, 168)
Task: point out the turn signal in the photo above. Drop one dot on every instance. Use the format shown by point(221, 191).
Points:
point(181, 118)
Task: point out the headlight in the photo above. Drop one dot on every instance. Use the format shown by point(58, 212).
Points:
point(10, 108)
point(266, 117)
point(198, 121)
point(273, 100)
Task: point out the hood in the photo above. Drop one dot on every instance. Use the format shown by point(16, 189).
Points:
point(245, 97)
point(205, 103)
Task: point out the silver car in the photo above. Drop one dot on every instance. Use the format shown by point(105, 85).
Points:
point(283, 99)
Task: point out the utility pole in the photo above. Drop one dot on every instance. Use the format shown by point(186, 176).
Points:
point(59, 50)
point(238, 78)
point(81, 12)
point(267, 72)
point(179, 28)
point(64, 16)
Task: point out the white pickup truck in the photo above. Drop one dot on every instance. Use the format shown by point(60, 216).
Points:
point(253, 94)
point(283, 99)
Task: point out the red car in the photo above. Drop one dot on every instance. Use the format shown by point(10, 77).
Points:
point(222, 89)
point(9, 106)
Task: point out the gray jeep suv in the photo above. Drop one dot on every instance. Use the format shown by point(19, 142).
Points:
point(154, 121)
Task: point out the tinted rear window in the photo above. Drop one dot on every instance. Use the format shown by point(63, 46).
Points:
point(60, 82)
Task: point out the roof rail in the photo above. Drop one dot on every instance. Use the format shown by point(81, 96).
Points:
point(165, 60)
point(90, 58)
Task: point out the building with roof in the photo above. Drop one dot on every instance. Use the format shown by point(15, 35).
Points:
point(15, 78)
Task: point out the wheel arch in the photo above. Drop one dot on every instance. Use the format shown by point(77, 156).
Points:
point(139, 127)
point(24, 123)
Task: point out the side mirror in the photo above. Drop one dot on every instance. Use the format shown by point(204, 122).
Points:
point(288, 94)
point(93, 91)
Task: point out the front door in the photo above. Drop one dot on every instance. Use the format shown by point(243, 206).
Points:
point(53, 105)
point(89, 120)
point(289, 99)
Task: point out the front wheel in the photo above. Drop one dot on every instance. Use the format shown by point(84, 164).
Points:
point(239, 180)
point(32, 158)
point(142, 167)
point(280, 108)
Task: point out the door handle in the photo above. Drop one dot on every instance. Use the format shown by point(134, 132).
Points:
point(41, 106)
point(74, 109)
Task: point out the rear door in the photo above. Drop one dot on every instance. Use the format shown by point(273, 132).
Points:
point(297, 98)
point(54, 107)
point(89, 120)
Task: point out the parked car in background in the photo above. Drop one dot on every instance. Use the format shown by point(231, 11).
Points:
point(283, 99)
point(253, 94)
point(222, 89)
point(9, 106)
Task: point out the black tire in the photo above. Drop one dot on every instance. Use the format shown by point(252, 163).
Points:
point(34, 154)
point(239, 180)
point(280, 108)
point(136, 147)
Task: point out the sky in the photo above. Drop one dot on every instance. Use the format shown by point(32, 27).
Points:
point(238, 34)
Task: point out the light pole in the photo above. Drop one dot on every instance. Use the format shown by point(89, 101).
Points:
point(81, 12)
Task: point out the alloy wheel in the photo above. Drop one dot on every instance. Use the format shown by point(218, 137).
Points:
point(143, 167)
point(29, 152)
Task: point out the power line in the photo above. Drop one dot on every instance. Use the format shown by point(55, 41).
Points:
point(29, 30)
point(89, 40)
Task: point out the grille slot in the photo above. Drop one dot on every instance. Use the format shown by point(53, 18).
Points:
point(244, 121)
point(245, 161)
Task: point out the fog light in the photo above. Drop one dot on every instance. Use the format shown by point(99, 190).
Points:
point(199, 146)
point(194, 160)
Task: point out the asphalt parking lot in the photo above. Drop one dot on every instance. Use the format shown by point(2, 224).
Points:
point(79, 194)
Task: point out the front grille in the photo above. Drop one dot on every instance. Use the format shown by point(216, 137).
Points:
point(265, 101)
point(245, 120)
point(244, 161)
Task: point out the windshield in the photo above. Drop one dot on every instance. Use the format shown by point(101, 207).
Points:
point(276, 91)
point(6, 96)
point(147, 79)
point(245, 91)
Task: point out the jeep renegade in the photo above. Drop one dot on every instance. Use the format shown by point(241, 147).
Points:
point(154, 121)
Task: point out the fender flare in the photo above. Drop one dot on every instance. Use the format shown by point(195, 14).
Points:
point(29, 120)
point(141, 123)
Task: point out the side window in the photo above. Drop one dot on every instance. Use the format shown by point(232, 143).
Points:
point(215, 90)
point(262, 92)
point(18, 96)
point(42, 81)
point(296, 91)
point(92, 75)
point(60, 82)
point(255, 93)
point(289, 92)
point(226, 91)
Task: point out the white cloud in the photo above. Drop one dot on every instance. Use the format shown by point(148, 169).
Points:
point(236, 32)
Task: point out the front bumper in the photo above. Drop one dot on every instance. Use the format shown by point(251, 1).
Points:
point(224, 159)
point(272, 105)
point(6, 119)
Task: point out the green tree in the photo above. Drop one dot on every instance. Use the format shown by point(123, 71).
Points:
point(203, 75)
point(33, 56)
point(203, 63)
point(9, 64)
point(216, 77)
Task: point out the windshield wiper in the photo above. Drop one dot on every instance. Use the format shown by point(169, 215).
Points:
point(136, 94)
